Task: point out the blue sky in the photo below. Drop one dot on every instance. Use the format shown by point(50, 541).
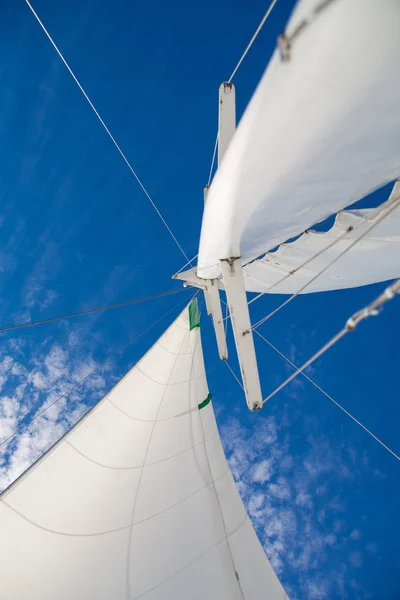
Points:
point(76, 232)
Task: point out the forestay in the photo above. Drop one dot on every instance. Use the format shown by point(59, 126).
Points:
point(137, 500)
point(376, 257)
point(320, 132)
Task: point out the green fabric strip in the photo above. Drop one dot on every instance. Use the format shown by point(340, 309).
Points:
point(194, 314)
point(205, 402)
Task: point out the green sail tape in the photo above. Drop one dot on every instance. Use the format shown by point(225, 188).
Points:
point(194, 314)
point(205, 402)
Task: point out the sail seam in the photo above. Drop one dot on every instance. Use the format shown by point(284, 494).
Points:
point(181, 414)
point(156, 462)
point(151, 420)
point(168, 383)
point(123, 527)
point(174, 353)
point(130, 416)
point(224, 539)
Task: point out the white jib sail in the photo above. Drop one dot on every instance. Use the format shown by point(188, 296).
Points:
point(137, 500)
point(321, 131)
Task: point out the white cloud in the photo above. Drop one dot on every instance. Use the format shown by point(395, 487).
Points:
point(304, 499)
point(280, 490)
point(262, 471)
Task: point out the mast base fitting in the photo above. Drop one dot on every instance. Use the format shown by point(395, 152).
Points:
point(257, 406)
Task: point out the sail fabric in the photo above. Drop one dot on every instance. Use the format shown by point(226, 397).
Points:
point(137, 500)
point(320, 132)
point(375, 258)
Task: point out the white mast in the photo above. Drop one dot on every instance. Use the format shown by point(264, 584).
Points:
point(226, 118)
point(232, 275)
point(226, 129)
point(137, 500)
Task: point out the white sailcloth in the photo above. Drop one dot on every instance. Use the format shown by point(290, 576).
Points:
point(320, 132)
point(137, 500)
point(376, 257)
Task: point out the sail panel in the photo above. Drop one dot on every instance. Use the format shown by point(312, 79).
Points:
point(320, 132)
point(137, 500)
point(375, 258)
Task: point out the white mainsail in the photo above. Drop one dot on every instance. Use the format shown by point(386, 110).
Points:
point(320, 132)
point(137, 500)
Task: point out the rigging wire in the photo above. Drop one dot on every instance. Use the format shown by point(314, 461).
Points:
point(329, 397)
point(249, 45)
point(88, 312)
point(370, 310)
point(92, 372)
point(107, 130)
point(392, 207)
point(189, 262)
point(234, 374)
point(226, 319)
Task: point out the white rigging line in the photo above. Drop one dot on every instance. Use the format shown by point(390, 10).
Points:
point(226, 319)
point(189, 262)
point(107, 130)
point(249, 45)
point(329, 397)
point(370, 310)
point(393, 205)
point(87, 312)
point(234, 374)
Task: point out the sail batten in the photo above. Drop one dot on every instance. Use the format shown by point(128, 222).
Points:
point(137, 500)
